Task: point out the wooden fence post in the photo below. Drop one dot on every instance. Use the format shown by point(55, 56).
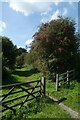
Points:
point(67, 77)
point(43, 83)
point(57, 81)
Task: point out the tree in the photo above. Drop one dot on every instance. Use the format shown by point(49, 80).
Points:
point(20, 56)
point(55, 46)
point(20, 60)
point(8, 53)
point(78, 53)
point(20, 50)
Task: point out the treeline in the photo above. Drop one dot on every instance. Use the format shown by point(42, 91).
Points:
point(12, 56)
point(55, 47)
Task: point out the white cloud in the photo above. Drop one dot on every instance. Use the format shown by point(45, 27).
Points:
point(28, 7)
point(43, 20)
point(18, 46)
point(28, 42)
point(2, 25)
point(59, 13)
point(32, 1)
point(55, 15)
point(56, 2)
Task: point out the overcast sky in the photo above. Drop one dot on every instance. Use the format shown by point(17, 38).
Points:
point(20, 20)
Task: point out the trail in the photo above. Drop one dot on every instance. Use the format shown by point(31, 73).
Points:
point(73, 113)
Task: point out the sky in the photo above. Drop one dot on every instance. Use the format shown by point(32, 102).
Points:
point(20, 19)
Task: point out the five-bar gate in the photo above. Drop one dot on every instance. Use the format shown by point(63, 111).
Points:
point(18, 94)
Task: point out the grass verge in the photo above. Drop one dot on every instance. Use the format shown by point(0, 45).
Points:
point(71, 94)
point(42, 108)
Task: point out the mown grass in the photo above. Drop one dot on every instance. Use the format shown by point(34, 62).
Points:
point(22, 75)
point(40, 108)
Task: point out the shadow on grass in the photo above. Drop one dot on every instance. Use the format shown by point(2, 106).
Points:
point(55, 101)
point(25, 73)
point(9, 80)
point(61, 100)
point(49, 100)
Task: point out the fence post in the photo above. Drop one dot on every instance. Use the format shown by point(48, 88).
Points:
point(43, 85)
point(57, 81)
point(67, 77)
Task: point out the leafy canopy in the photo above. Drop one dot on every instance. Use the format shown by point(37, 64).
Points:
point(54, 46)
point(9, 54)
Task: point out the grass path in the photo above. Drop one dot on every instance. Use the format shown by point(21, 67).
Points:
point(22, 75)
point(43, 109)
point(50, 110)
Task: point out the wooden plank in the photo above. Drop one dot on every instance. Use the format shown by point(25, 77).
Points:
point(33, 93)
point(20, 97)
point(29, 94)
point(19, 103)
point(11, 107)
point(13, 99)
point(7, 107)
point(57, 81)
point(8, 94)
point(67, 77)
point(66, 72)
point(43, 86)
point(71, 71)
point(18, 84)
point(63, 74)
point(64, 82)
point(25, 99)
point(20, 91)
point(63, 79)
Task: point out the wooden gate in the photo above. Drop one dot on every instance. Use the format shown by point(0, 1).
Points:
point(18, 94)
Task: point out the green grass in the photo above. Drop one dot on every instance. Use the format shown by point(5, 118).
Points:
point(71, 94)
point(42, 108)
point(22, 75)
point(46, 109)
